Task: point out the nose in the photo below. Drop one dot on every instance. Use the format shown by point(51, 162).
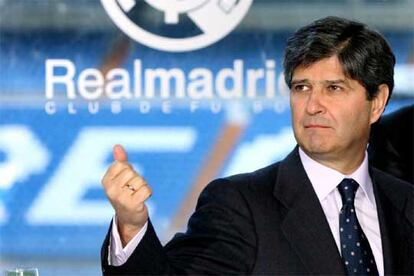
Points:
point(315, 104)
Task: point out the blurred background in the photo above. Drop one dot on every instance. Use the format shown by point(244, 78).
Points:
point(73, 84)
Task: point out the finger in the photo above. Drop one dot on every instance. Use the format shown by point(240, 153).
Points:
point(116, 168)
point(113, 193)
point(143, 193)
point(121, 180)
point(136, 182)
point(119, 153)
point(115, 185)
point(125, 177)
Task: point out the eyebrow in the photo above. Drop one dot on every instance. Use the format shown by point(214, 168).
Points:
point(337, 81)
point(344, 81)
point(299, 81)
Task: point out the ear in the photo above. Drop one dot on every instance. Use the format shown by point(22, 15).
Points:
point(378, 102)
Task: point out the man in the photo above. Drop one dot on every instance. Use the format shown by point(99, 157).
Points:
point(322, 210)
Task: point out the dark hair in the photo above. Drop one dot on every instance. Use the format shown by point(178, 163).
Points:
point(364, 53)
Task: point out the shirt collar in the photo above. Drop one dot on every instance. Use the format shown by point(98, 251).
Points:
point(325, 180)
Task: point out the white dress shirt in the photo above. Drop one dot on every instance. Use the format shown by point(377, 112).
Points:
point(117, 255)
point(324, 181)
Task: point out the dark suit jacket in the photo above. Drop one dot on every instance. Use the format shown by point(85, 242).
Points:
point(271, 222)
point(391, 144)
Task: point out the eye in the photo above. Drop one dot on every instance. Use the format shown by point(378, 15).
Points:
point(300, 88)
point(335, 88)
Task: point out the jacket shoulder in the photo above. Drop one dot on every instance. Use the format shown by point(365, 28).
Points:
point(399, 192)
point(391, 184)
point(261, 178)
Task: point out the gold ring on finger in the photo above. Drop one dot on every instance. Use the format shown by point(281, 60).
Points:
point(131, 187)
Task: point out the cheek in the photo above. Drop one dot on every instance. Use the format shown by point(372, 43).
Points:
point(354, 124)
point(296, 109)
point(296, 119)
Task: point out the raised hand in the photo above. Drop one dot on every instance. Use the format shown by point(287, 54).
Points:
point(127, 191)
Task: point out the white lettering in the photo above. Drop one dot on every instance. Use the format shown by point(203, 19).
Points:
point(137, 78)
point(253, 75)
point(90, 84)
point(201, 84)
point(116, 107)
point(166, 107)
point(257, 107)
point(216, 107)
point(93, 107)
point(71, 108)
point(144, 107)
point(165, 77)
point(118, 77)
point(270, 79)
point(194, 105)
point(50, 107)
point(233, 75)
point(67, 79)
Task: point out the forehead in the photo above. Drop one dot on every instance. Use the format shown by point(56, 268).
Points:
point(324, 69)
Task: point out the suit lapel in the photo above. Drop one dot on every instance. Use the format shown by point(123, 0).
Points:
point(394, 219)
point(305, 225)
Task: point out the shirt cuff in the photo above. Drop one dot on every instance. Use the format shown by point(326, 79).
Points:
point(117, 255)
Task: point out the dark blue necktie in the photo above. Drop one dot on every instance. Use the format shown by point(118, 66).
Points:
point(356, 252)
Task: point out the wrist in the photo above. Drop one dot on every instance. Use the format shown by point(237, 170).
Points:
point(128, 231)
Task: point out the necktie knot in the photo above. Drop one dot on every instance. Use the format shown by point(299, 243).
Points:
point(347, 188)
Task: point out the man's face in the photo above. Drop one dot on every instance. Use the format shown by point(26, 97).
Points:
point(330, 113)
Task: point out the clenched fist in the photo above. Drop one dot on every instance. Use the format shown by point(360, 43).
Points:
point(127, 192)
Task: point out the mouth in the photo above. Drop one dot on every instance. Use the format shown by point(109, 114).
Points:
point(315, 126)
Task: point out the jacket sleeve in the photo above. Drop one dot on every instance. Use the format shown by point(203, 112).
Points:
point(220, 239)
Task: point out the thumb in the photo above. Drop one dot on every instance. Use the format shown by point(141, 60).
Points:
point(119, 153)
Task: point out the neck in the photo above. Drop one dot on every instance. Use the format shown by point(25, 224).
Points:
point(343, 165)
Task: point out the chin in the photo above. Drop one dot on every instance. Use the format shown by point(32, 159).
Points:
point(317, 149)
